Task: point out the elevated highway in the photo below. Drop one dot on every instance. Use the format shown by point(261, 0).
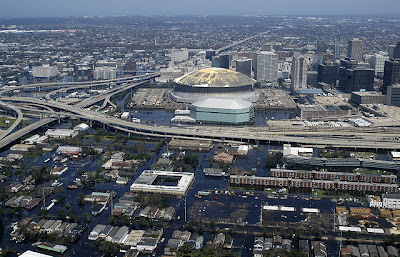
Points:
point(361, 140)
point(24, 131)
point(219, 50)
point(20, 115)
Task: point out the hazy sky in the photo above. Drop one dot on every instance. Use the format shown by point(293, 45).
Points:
point(53, 8)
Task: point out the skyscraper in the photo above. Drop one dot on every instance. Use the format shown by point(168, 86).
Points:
point(337, 50)
point(377, 62)
point(299, 72)
point(221, 61)
point(328, 73)
point(355, 77)
point(391, 51)
point(210, 54)
point(391, 74)
point(393, 95)
point(244, 66)
point(266, 67)
point(179, 55)
point(268, 47)
point(355, 50)
point(396, 52)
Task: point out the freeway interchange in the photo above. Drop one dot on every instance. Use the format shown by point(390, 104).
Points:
point(339, 139)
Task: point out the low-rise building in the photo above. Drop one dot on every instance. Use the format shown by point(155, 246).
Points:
point(319, 249)
point(58, 170)
point(385, 213)
point(360, 211)
point(61, 133)
point(133, 238)
point(69, 150)
point(81, 127)
point(391, 201)
point(21, 148)
point(149, 180)
point(120, 235)
point(147, 244)
point(374, 201)
point(368, 97)
point(94, 234)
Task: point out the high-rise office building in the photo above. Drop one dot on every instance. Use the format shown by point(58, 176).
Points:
point(355, 50)
point(355, 77)
point(266, 67)
point(179, 55)
point(210, 54)
point(377, 62)
point(244, 66)
point(391, 51)
point(328, 73)
point(45, 71)
point(299, 72)
point(396, 52)
point(105, 73)
point(337, 49)
point(312, 78)
point(393, 95)
point(391, 74)
point(221, 61)
point(268, 47)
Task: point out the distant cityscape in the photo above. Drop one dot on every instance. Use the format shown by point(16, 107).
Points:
point(200, 136)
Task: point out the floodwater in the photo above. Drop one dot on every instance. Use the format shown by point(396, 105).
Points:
point(234, 207)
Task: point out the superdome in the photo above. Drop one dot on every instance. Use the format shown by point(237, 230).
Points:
point(214, 83)
point(222, 110)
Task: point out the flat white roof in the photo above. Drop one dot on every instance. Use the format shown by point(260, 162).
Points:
point(33, 254)
point(395, 154)
point(145, 182)
point(310, 210)
point(287, 208)
point(352, 229)
point(271, 207)
point(375, 230)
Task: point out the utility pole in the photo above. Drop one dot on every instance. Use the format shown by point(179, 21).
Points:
point(44, 199)
point(185, 209)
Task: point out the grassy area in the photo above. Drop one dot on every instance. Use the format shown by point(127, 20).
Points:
point(367, 171)
point(236, 188)
point(3, 123)
point(322, 194)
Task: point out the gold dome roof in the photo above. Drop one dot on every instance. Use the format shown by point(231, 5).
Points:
point(215, 77)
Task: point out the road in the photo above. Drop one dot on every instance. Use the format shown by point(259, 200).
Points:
point(219, 50)
point(24, 131)
point(20, 115)
point(357, 139)
point(361, 140)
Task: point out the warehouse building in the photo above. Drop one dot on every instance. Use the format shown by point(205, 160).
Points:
point(61, 133)
point(164, 182)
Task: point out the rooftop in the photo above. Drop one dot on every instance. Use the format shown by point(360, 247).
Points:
point(215, 77)
point(223, 103)
point(166, 182)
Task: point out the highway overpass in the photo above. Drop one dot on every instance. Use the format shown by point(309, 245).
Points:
point(320, 139)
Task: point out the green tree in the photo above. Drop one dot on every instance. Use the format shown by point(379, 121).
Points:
point(61, 215)
point(81, 196)
point(272, 160)
point(67, 206)
point(186, 248)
